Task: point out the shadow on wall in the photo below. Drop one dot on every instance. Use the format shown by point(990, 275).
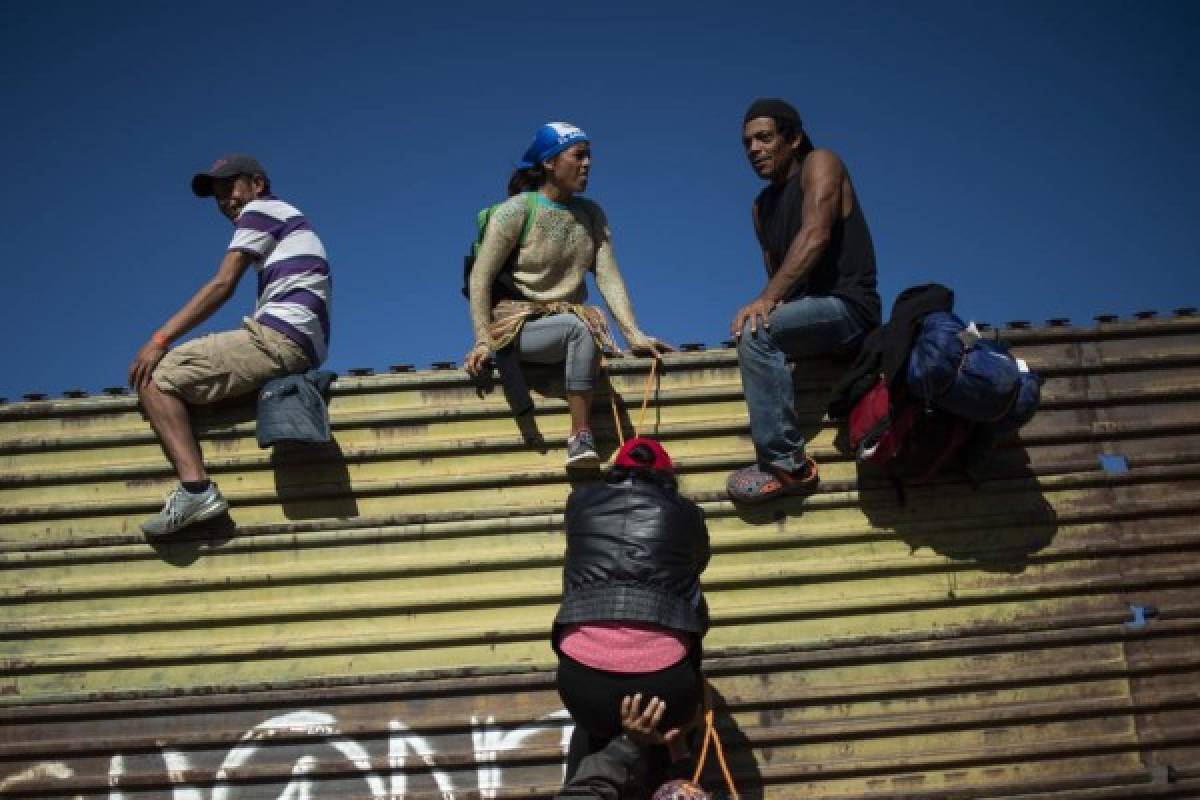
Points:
point(312, 481)
point(739, 753)
point(997, 524)
point(540, 381)
point(997, 521)
point(185, 547)
point(547, 381)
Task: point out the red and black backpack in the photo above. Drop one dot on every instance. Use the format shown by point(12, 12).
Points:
point(901, 433)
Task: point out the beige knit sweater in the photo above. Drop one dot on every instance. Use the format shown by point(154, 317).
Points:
point(563, 244)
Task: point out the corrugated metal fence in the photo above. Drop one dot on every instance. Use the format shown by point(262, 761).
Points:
point(373, 620)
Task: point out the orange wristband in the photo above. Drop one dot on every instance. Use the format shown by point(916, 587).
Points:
point(160, 340)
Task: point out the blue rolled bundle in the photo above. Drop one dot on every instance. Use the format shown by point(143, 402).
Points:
point(1029, 397)
point(935, 355)
point(979, 383)
point(984, 388)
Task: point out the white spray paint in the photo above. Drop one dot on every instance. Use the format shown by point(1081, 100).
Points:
point(401, 741)
point(116, 768)
point(311, 723)
point(490, 741)
point(177, 768)
point(300, 787)
point(38, 772)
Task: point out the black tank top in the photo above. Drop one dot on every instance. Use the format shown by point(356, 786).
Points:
point(846, 268)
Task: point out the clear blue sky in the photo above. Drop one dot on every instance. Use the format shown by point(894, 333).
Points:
point(1040, 158)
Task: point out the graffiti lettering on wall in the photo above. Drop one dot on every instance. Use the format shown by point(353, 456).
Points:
point(407, 753)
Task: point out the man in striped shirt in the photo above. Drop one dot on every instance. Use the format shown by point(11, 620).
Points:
point(288, 333)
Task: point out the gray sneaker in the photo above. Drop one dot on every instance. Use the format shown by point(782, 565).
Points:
point(581, 450)
point(183, 508)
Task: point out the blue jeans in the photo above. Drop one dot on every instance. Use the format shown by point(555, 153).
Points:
point(805, 327)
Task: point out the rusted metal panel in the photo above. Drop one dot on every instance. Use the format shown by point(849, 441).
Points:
point(976, 642)
point(1039, 708)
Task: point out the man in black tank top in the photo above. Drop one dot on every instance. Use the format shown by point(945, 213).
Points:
point(820, 296)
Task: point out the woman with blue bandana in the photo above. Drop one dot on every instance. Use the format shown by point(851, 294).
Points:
point(540, 311)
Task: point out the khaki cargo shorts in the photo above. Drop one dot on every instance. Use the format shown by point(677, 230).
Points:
point(228, 364)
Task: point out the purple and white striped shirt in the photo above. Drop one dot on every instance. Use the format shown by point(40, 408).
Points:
point(294, 286)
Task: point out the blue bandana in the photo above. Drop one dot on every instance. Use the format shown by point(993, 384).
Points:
point(550, 140)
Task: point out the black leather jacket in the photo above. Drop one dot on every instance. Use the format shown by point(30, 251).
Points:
point(635, 551)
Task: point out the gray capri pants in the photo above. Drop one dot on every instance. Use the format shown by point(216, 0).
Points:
point(561, 337)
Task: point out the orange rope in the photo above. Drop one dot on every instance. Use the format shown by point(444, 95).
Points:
point(710, 734)
point(646, 395)
point(646, 389)
point(710, 729)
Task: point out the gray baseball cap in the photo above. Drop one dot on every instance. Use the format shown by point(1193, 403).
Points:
point(225, 167)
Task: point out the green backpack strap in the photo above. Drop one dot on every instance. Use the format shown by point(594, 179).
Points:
point(485, 215)
point(481, 221)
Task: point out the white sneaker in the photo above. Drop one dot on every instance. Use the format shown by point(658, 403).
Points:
point(183, 508)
